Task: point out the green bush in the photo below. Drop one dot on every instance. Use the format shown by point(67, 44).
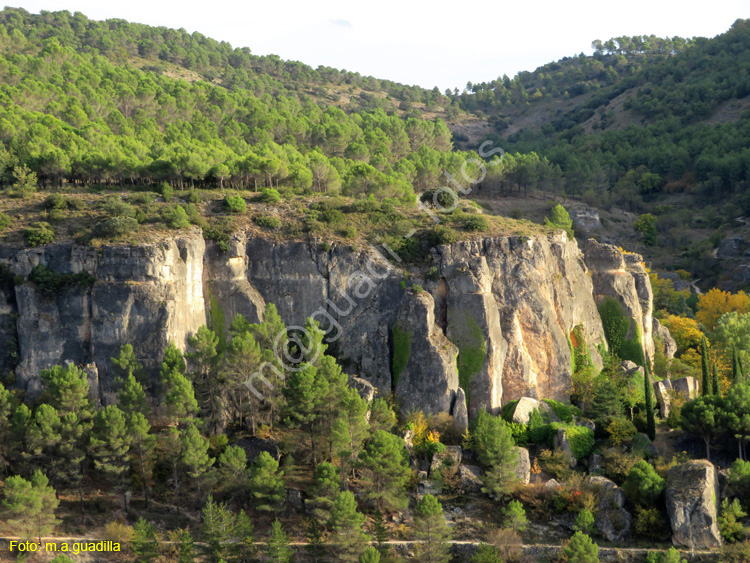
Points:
point(142, 198)
point(643, 485)
point(417, 289)
point(166, 191)
point(581, 549)
point(348, 232)
point(38, 234)
point(116, 226)
point(268, 221)
point(270, 195)
point(508, 409)
point(51, 283)
point(581, 439)
point(332, 216)
point(555, 464)
point(441, 235)
point(5, 221)
point(175, 217)
point(235, 204)
point(731, 529)
point(115, 207)
point(55, 201)
point(476, 223)
point(520, 433)
point(440, 198)
point(75, 203)
point(650, 523)
point(564, 412)
point(621, 430)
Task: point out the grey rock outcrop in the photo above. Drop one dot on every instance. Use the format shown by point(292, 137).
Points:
point(687, 387)
point(429, 379)
point(692, 492)
point(669, 345)
point(585, 219)
point(731, 247)
point(448, 461)
point(523, 469)
point(662, 391)
point(460, 413)
point(612, 520)
point(525, 406)
point(470, 477)
point(509, 304)
point(623, 278)
point(562, 444)
point(365, 389)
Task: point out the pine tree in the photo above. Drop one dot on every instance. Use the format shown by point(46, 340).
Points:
point(125, 364)
point(195, 458)
point(141, 450)
point(6, 410)
point(132, 397)
point(68, 390)
point(305, 391)
point(266, 483)
point(431, 529)
point(370, 555)
point(493, 442)
point(735, 363)
point(706, 379)
point(514, 516)
point(43, 439)
point(232, 466)
point(386, 470)
point(581, 549)
point(715, 381)
point(216, 530)
point(145, 542)
point(648, 394)
point(173, 362)
point(327, 487)
point(485, 553)
point(348, 536)
point(110, 444)
point(350, 429)
point(382, 416)
point(278, 549)
point(30, 506)
point(180, 399)
point(380, 533)
point(315, 544)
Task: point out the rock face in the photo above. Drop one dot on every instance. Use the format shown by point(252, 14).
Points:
point(460, 413)
point(731, 247)
point(525, 406)
point(662, 390)
point(429, 378)
point(612, 520)
point(448, 461)
point(623, 278)
point(523, 469)
point(505, 306)
point(692, 491)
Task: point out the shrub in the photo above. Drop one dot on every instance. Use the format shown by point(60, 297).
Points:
point(508, 545)
point(739, 478)
point(585, 522)
point(51, 283)
point(55, 201)
point(38, 234)
point(476, 223)
point(166, 191)
point(270, 195)
point(650, 523)
point(332, 216)
point(736, 553)
point(235, 204)
point(5, 221)
point(731, 530)
point(175, 217)
point(564, 412)
point(441, 198)
point(580, 549)
point(617, 464)
point(621, 430)
point(115, 207)
point(520, 433)
point(669, 556)
point(514, 516)
point(348, 232)
point(441, 235)
point(643, 485)
point(268, 221)
point(581, 438)
point(417, 289)
point(142, 198)
point(116, 226)
point(555, 464)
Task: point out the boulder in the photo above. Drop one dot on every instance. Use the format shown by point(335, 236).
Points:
point(460, 413)
point(523, 469)
point(687, 387)
point(669, 345)
point(662, 390)
point(561, 443)
point(731, 247)
point(448, 460)
point(629, 368)
point(527, 405)
point(552, 485)
point(612, 520)
point(471, 478)
point(692, 491)
point(585, 219)
point(428, 487)
point(408, 436)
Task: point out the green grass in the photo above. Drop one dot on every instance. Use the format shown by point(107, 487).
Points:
point(401, 351)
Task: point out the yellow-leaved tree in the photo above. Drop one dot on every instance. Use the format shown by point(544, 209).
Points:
point(715, 303)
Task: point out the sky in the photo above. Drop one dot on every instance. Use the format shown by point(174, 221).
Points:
point(436, 43)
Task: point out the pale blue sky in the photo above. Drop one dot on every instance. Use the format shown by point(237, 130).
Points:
point(426, 43)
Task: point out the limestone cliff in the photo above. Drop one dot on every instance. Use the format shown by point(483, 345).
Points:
point(495, 318)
